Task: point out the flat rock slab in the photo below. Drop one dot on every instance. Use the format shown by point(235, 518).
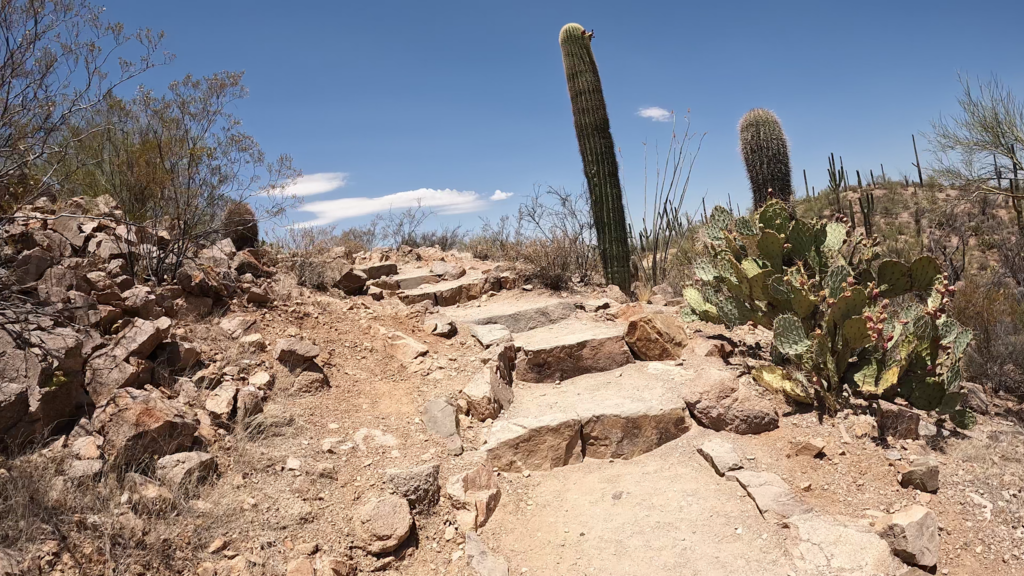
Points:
point(408, 279)
point(570, 348)
point(720, 455)
point(773, 497)
point(620, 414)
point(843, 548)
point(516, 313)
point(490, 334)
point(450, 293)
point(665, 513)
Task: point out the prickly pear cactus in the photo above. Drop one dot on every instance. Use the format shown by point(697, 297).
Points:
point(824, 291)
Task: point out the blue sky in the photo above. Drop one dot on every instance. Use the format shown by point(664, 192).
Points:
point(463, 99)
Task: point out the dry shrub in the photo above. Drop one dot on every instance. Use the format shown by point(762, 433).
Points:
point(992, 308)
point(241, 225)
point(303, 249)
point(552, 237)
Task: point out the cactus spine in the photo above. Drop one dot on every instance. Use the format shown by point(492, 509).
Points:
point(597, 149)
point(766, 155)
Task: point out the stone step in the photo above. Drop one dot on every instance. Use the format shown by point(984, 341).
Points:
point(570, 348)
point(451, 292)
point(516, 313)
point(619, 414)
point(407, 280)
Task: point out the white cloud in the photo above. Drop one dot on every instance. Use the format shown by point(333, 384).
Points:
point(656, 113)
point(319, 183)
point(499, 196)
point(441, 201)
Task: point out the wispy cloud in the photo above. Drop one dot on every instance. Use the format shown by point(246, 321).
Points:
point(499, 196)
point(319, 183)
point(441, 201)
point(656, 113)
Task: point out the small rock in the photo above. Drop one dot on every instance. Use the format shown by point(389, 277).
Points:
point(253, 342)
point(420, 485)
point(292, 464)
point(720, 455)
point(295, 351)
point(300, 567)
point(809, 448)
point(913, 535)
point(475, 496)
point(382, 524)
point(440, 417)
point(922, 475)
point(217, 545)
point(185, 470)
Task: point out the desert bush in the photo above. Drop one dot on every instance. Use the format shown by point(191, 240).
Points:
point(60, 61)
point(992, 306)
point(560, 246)
point(445, 238)
point(361, 238)
point(826, 294)
point(498, 241)
point(176, 163)
point(302, 251)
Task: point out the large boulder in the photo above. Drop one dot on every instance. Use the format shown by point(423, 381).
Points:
point(121, 364)
point(656, 337)
point(139, 426)
point(718, 401)
point(41, 388)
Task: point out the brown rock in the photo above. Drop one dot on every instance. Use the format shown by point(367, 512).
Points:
point(913, 535)
point(897, 422)
point(110, 368)
point(528, 444)
point(570, 348)
point(809, 448)
point(41, 389)
point(718, 401)
point(771, 494)
point(139, 425)
point(300, 567)
point(295, 351)
point(310, 380)
point(418, 485)
point(31, 265)
point(403, 347)
point(185, 471)
point(139, 301)
point(656, 337)
point(237, 325)
point(923, 474)
point(382, 524)
point(475, 496)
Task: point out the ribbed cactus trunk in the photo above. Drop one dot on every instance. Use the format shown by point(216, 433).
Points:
point(600, 166)
point(766, 154)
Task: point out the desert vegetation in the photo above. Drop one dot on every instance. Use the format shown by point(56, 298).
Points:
point(190, 383)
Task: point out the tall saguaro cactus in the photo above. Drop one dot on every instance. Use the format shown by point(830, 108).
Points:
point(600, 166)
point(766, 154)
